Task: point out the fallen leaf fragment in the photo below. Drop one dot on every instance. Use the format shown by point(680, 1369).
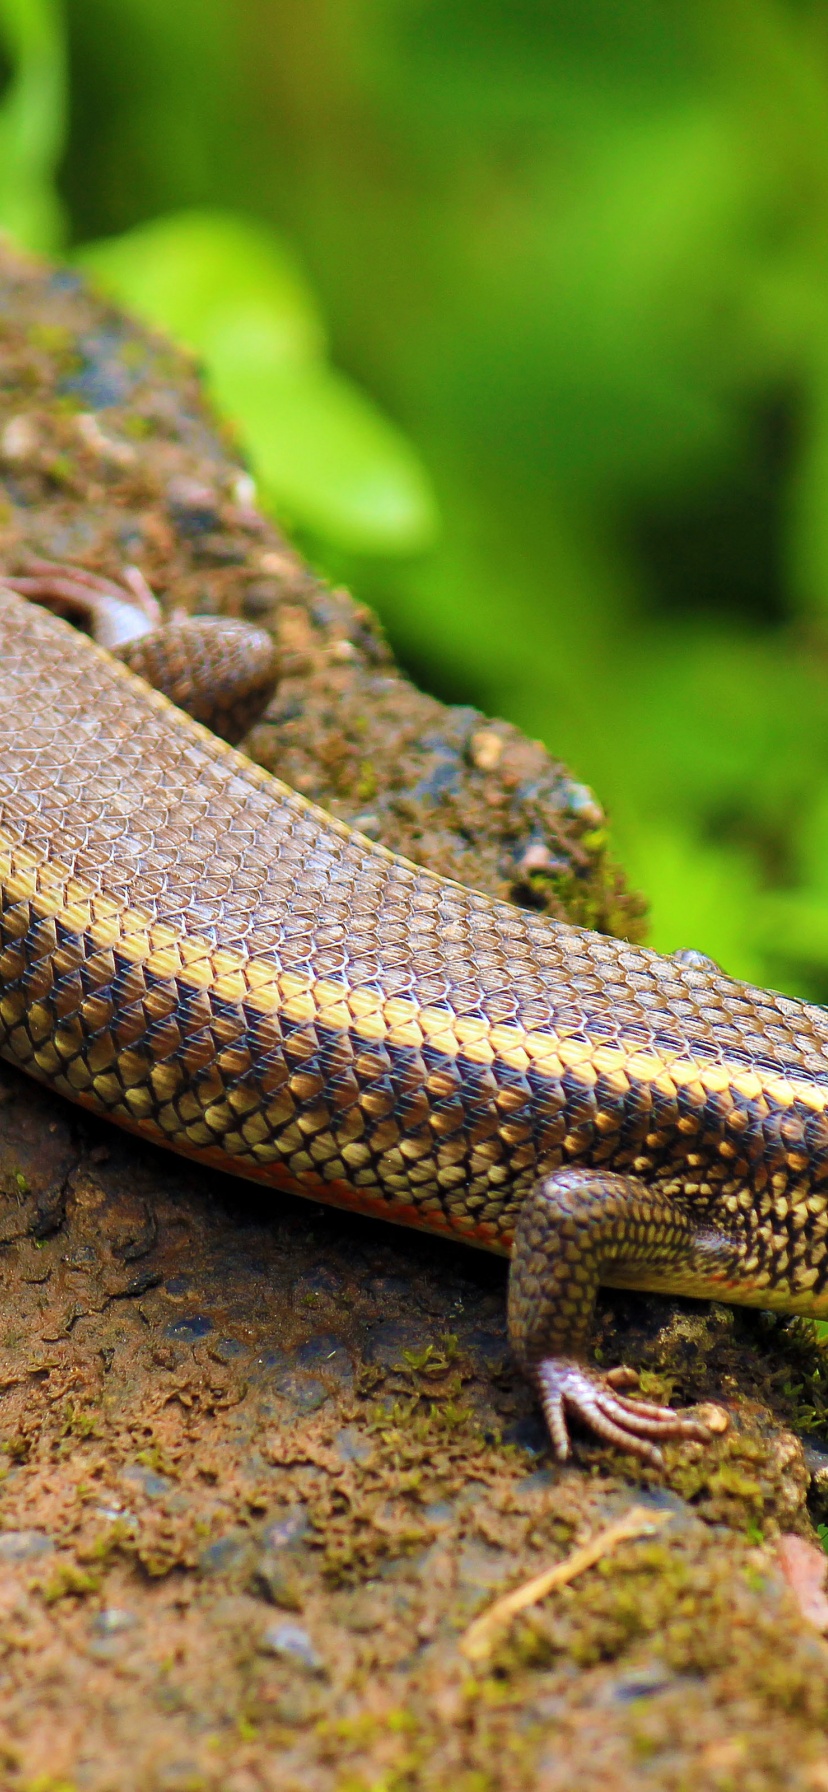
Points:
point(481, 1636)
point(805, 1566)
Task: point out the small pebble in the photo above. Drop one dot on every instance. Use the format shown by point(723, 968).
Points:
point(274, 1579)
point(326, 1354)
point(714, 1417)
point(288, 1530)
point(113, 1621)
point(20, 1546)
point(178, 1284)
point(352, 1445)
point(244, 491)
point(19, 439)
point(304, 1392)
point(271, 1359)
point(95, 439)
point(643, 1684)
point(440, 1512)
point(150, 1483)
point(293, 1644)
point(116, 1514)
point(190, 494)
point(226, 1350)
point(301, 1703)
point(580, 801)
point(536, 857)
point(226, 1553)
point(82, 1257)
point(280, 566)
point(480, 1566)
point(486, 749)
point(194, 1325)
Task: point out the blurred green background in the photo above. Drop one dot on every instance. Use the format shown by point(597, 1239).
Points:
point(520, 308)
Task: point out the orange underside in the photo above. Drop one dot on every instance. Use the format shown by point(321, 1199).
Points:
point(331, 1194)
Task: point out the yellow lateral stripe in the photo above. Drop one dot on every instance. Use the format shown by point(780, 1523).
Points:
point(55, 893)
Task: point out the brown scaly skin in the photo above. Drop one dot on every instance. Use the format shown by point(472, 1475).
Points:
point(194, 950)
point(220, 671)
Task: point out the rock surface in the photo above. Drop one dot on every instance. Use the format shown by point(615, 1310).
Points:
point(261, 1463)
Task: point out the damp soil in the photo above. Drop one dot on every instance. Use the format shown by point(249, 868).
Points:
point(262, 1463)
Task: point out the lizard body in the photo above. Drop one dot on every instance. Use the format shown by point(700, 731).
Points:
point(193, 949)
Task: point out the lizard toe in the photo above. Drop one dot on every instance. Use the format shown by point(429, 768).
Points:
point(568, 1390)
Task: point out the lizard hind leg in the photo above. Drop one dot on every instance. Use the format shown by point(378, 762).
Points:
point(575, 1228)
point(221, 671)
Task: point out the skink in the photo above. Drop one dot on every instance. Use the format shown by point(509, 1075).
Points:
point(194, 950)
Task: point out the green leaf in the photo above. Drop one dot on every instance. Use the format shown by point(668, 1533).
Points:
point(327, 458)
point(700, 895)
point(32, 122)
point(211, 278)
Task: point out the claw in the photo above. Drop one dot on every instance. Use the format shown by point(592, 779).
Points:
point(115, 614)
point(622, 1377)
point(567, 1389)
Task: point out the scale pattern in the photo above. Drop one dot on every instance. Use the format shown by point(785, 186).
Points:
point(202, 664)
point(193, 949)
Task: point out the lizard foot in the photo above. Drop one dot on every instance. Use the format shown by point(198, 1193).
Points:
point(569, 1390)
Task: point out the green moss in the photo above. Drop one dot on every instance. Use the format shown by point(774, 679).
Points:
point(730, 1479)
point(157, 1459)
point(70, 1582)
point(54, 339)
point(46, 1782)
point(366, 786)
point(80, 1421)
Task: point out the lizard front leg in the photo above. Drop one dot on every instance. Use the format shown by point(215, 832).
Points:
point(579, 1228)
point(220, 671)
